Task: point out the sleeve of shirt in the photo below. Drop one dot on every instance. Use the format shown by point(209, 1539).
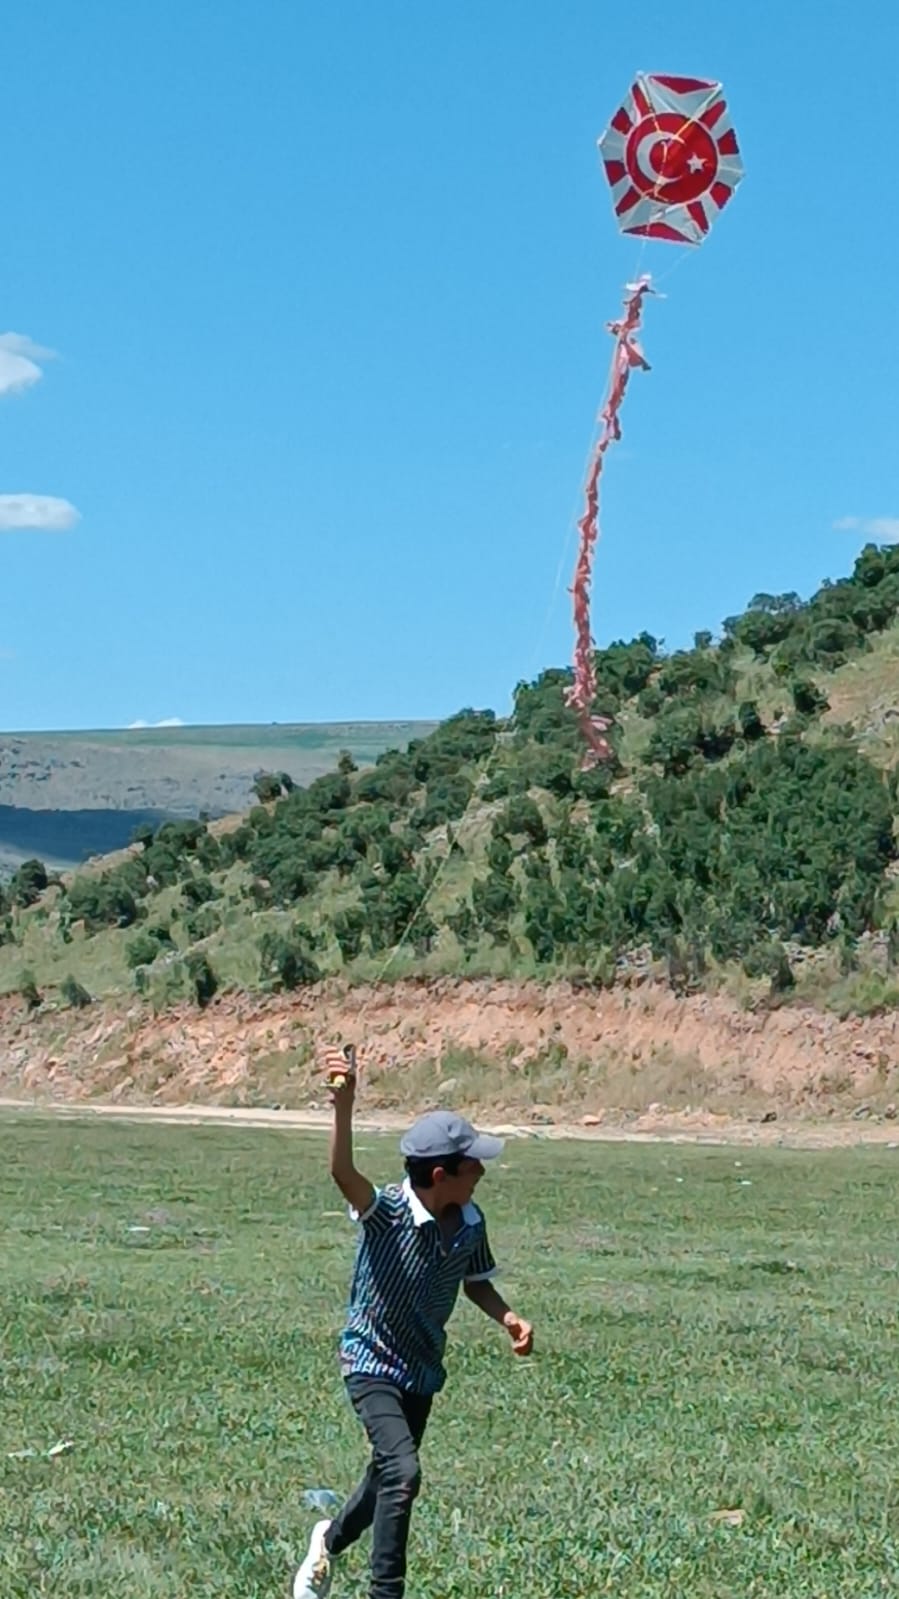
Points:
point(379, 1215)
point(482, 1266)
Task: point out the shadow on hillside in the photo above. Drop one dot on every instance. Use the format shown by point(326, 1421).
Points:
point(68, 837)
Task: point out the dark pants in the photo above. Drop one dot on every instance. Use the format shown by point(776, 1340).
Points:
point(395, 1422)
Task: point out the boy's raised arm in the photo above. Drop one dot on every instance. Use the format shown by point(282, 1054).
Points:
point(357, 1190)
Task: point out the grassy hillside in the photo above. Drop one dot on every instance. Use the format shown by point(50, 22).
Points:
point(65, 796)
point(744, 833)
point(864, 693)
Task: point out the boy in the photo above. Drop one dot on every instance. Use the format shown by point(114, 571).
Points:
point(418, 1242)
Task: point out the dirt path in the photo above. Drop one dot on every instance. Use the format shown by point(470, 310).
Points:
point(647, 1130)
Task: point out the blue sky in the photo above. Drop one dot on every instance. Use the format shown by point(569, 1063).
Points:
point(327, 285)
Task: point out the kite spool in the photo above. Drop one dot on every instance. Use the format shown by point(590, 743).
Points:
point(340, 1071)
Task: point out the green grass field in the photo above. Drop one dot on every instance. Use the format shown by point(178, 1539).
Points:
point(716, 1332)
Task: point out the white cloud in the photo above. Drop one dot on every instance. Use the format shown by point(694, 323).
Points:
point(167, 721)
point(19, 358)
point(38, 513)
point(876, 527)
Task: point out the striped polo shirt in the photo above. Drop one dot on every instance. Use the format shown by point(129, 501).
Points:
point(405, 1286)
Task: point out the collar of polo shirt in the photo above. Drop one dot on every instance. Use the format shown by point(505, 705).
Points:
point(421, 1215)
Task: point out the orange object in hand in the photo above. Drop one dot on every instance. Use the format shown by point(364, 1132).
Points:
point(341, 1065)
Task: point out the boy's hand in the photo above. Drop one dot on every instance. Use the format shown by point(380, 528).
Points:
point(339, 1069)
point(520, 1331)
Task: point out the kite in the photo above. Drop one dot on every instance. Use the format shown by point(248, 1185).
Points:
point(671, 158)
point(673, 162)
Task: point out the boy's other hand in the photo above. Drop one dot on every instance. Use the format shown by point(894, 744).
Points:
point(520, 1331)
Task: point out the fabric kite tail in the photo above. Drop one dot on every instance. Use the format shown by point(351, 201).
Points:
point(627, 355)
point(599, 748)
point(629, 352)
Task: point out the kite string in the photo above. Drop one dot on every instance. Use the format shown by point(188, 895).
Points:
point(626, 354)
point(487, 765)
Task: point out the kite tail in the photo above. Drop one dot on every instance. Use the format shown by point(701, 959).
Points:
point(627, 354)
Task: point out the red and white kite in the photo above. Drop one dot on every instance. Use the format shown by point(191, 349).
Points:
point(671, 157)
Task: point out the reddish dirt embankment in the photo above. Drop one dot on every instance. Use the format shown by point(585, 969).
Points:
point(553, 1056)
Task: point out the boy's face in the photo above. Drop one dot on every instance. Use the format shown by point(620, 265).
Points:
point(456, 1188)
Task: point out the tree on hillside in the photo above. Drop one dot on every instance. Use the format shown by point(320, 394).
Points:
point(348, 927)
point(100, 902)
point(521, 819)
point(541, 715)
point(28, 883)
point(808, 699)
point(396, 853)
point(463, 924)
point(500, 855)
point(236, 844)
point(203, 979)
point(74, 993)
point(267, 787)
point(395, 909)
point(198, 890)
point(550, 767)
point(769, 959)
point(287, 960)
point(145, 947)
point(465, 739)
point(494, 900)
point(623, 669)
point(547, 926)
point(202, 922)
point(30, 992)
point(446, 799)
point(327, 794)
point(695, 673)
point(390, 782)
point(750, 722)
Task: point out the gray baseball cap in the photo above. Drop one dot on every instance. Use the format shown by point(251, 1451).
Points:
point(442, 1132)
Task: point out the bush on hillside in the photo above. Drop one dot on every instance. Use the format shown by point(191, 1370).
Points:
point(287, 960)
point(74, 993)
point(203, 979)
point(148, 945)
point(27, 883)
point(98, 902)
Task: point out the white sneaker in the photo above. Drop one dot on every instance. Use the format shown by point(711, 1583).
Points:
point(313, 1580)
